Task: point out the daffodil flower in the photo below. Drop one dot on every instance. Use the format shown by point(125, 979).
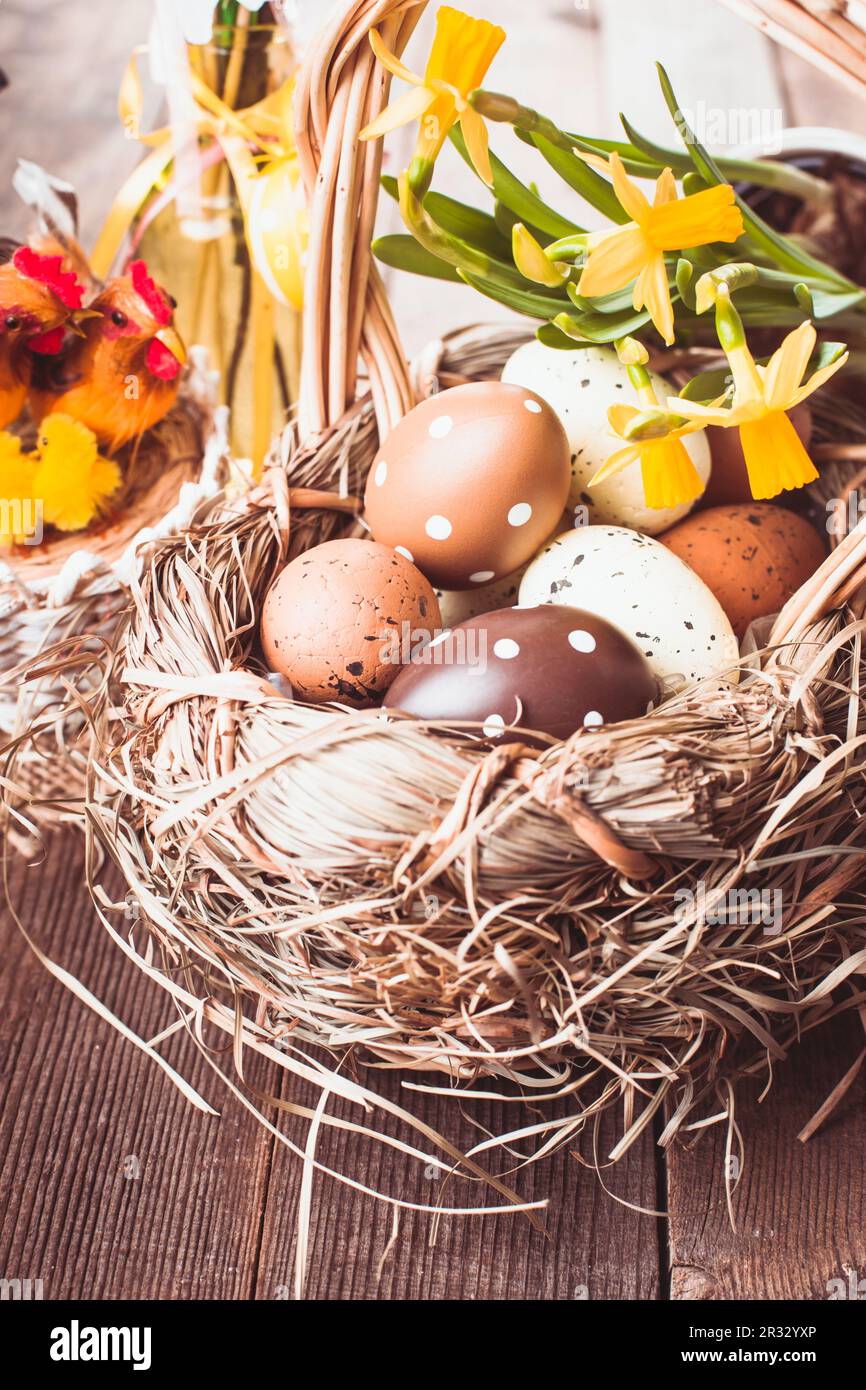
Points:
point(462, 52)
point(654, 436)
point(636, 251)
point(776, 458)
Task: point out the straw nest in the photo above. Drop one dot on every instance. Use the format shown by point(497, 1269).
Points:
point(576, 924)
point(633, 917)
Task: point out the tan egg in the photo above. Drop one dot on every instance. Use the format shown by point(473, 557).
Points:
point(752, 556)
point(729, 480)
point(342, 618)
point(470, 483)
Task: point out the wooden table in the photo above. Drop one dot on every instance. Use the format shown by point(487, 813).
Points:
point(111, 1184)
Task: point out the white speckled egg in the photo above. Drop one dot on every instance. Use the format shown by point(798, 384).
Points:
point(581, 386)
point(630, 580)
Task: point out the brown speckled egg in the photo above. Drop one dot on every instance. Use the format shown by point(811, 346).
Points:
point(729, 480)
point(470, 483)
point(753, 556)
point(337, 618)
point(552, 669)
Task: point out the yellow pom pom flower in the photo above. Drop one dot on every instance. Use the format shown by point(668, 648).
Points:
point(636, 251)
point(462, 51)
point(16, 492)
point(72, 480)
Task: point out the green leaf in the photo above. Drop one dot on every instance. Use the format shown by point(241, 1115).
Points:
point(617, 303)
point(584, 180)
point(553, 337)
point(405, 253)
point(684, 276)
point(516, 196)
point(779, 249)
point(830, 305)
point(468, 224)
point(534, 306)
point(708, 386)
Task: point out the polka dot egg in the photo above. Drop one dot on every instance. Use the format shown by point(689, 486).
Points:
point(470, 483)
point(523, 672)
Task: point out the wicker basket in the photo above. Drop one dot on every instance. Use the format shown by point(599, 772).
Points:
point(831, 34)
point(318, 876)
point(61, 603)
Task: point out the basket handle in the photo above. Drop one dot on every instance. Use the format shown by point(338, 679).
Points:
point(340, 88)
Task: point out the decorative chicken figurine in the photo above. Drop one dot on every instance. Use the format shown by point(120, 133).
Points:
point(38, 296)
point(121, 374)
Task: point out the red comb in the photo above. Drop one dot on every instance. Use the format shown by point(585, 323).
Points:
point(148, 290)
point(48, 270)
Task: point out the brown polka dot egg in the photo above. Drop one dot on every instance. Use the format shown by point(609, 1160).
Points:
point(550, 670)
point(337, 620)
point(470, 483)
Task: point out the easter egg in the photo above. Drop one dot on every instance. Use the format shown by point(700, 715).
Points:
point(458, 605)
point(552, 670)
point(581, 386)
point(648, 592)
point(470, 483)
point(336, 620)
point(729, 480)
point(753, 556)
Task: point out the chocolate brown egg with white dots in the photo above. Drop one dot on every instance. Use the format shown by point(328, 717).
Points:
point(548, 670)
point(470, 483)
point(337, 620)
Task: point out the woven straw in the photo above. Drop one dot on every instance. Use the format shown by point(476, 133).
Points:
point(512, 917)
point(830, 34)
point(77, 585)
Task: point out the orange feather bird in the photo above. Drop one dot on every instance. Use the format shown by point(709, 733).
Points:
point(121, 373)
point(39, 295)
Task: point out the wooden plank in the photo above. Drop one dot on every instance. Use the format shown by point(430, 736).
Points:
point(83, 1109)
point(594, 1247)
point(799, 1208)
point(210, 1209)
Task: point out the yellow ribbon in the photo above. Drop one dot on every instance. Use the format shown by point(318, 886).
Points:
point(271, 200)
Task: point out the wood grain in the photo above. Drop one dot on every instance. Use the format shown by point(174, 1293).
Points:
point(212, 1211)
point(799, 1208)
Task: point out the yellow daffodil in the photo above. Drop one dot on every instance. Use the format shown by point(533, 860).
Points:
point(462, 52)
point(636, 251)
point(653, 437)
point(776, 458)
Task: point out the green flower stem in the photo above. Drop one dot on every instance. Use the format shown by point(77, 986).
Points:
point(643, 159)
point(420, 176)
point(765, 173)
point(729, 325)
